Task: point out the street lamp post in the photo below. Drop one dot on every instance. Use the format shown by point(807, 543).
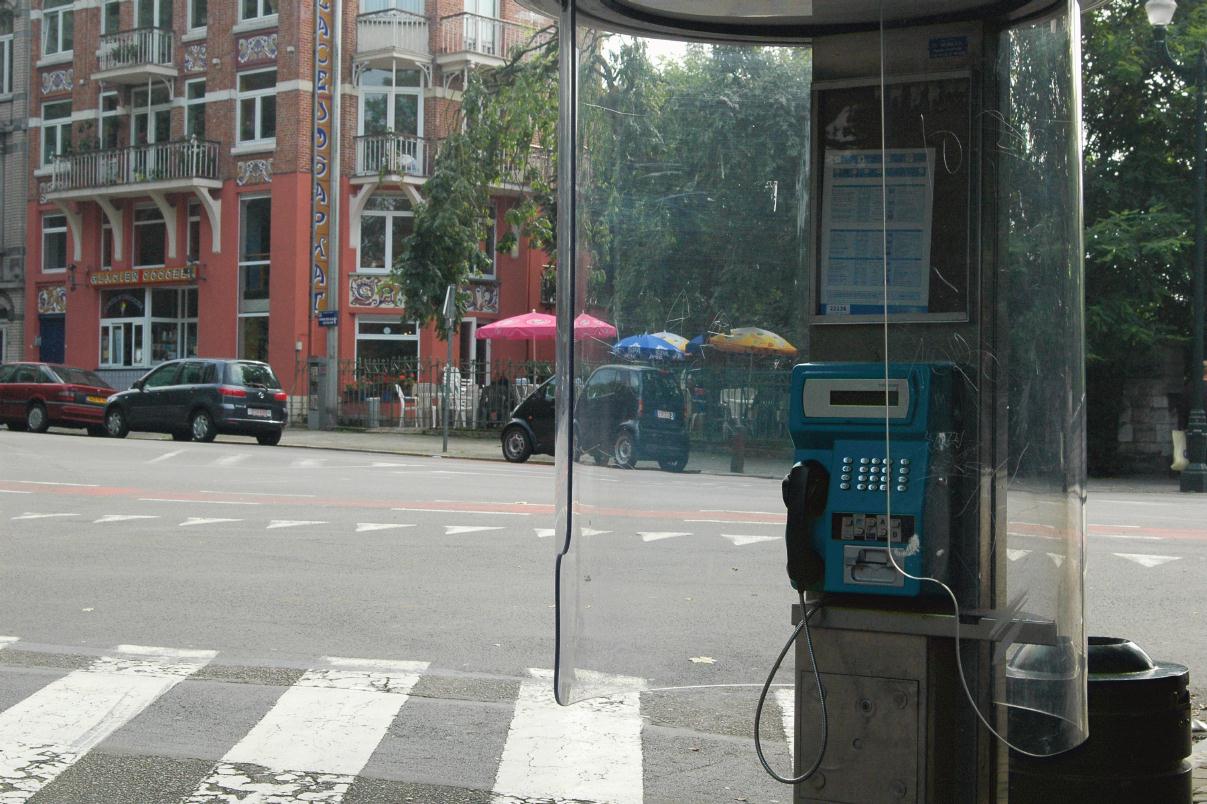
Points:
point(1160, 14)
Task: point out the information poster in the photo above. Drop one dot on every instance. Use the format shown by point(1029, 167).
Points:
point(857, 228)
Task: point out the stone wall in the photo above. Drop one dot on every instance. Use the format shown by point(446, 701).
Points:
point(1152, 408)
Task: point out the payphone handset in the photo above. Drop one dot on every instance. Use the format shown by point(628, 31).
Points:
point(874, 452)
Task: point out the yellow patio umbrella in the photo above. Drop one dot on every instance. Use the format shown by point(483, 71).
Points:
point(751, 341)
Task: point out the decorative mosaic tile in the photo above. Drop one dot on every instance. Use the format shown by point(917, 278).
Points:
point(196, 58)
point(56, 81)
point(261, 47)
point(52, 300)
point(254, 171)
point(484, 298)
point(374, 291)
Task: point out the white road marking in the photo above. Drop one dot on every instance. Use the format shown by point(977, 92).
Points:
point(386, 465)
point(737, 522)
point(365, 527)
point(7, 640)
point(201, 520)
point(122, 518)
point(317, 737)
point(731, 511)
point(456, 530)
point(44, 734)
point(589, 751)
point(256, 493)
point(41, 516)
point(308, 463)
point(292, 523)
point(740, 539)
point(544, 533)
point(787, 705)
point(659, 535)
point(1128, 536)
point(462, 511)
point(593, 532)
point(1015, 555)
point(229, 460)
point(1147, 560)
point(168, 456)
point(1057, 558)
point(57, 483)
point(202, 502)
point(14, 491)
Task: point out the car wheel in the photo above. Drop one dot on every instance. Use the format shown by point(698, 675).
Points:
point(269, 439)
point(202, 427)
point(516, 446)
point(115, 423)
point(625, 450)
point(673, 464)
point(181, 435)
point(36, 420)
point(97, 430)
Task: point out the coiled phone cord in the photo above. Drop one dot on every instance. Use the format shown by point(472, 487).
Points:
point(821, 692)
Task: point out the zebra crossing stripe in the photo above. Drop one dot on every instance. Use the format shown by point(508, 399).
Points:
point(317, 737)
point(589, 751)
point(44, 734)
point(788, 711)
point(7, 640)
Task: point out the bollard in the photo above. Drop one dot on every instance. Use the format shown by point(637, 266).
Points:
point(1139, 720)
point(737, 456)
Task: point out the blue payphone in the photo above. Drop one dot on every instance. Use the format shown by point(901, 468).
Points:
point(875, 448)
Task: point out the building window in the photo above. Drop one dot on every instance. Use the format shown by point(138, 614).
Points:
point(255, 244)
point(150, 238)
point(385, 340)
point(6, 57)
point(58, 27)
point(194, 108)
point(165, 316)
point(54, 243)
point(384, 226)
point(257, 106)
point(111, 16)
point(490, 242)
point(391, 101)
point(193, 244)
point(257, 9)
point(198, 15)
point(110, 119)
point(154, 14)
point(56, 129)
point(106, 245)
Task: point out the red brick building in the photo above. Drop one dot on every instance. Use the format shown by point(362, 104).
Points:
point(170, 182)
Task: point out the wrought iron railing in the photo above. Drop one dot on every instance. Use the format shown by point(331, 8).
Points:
point(392, 29)
point(487, 36)
point(135, 164)
point(393, 154)
point(136, 48)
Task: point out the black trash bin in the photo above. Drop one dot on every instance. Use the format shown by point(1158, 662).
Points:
point(1139, 718)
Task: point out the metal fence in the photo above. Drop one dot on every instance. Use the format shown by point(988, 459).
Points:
point(135, 48)
point(135, 164)
point(722, 402)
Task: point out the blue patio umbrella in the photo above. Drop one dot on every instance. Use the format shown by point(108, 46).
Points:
point(696, 344)
point(646, 347)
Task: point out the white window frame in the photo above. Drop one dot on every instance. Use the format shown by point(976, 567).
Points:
point(136, 241)
point(4, 342)
point(54, 230)
point(140, 329)
point(194, 106)
point(105, 4)
point(261, 10)
point(491, 244)
point(255, 308)
point(390, 91)
point(106, 253)
point(6, 66)
point(63, 11)
point(56, 131)
point(390, 216)
point(190, 6)
point(192, 241)
point(157, 20)
point(258, 96)
point(108, 117)
point(402, 321)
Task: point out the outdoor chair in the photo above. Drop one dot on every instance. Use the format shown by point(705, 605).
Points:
point(406, 403)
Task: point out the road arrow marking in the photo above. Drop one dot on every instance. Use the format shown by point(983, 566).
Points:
point(122, 518)
point(309, 463)
point(456, 530)
point(14, 491)
point(292, 523)
point(365, 527)
point(1057, 559)
point(201, 520)
point(544, 533)
point(593, 532)
point(385, 465)
point(1147, 560)
point(41, 516)
point(658, 535)
point(740, 539)
point(1015, 555)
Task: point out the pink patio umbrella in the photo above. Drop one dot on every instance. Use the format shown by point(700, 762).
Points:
point(536, 325)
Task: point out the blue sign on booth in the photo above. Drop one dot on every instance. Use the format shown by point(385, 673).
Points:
point(328, 318)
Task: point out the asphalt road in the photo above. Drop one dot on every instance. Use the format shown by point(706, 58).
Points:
point(241, 577)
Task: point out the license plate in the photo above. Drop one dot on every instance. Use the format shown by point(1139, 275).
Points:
point(97, 400)
point(669, 415)
point(259, 413)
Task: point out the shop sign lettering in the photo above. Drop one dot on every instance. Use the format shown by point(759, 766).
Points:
point(321, 237)
point(143, 276)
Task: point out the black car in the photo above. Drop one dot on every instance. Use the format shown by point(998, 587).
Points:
point(198, 398)
point(626, 413)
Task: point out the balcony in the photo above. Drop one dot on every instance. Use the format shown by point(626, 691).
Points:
point(132, 57)
point(388, 34)
point(154, 171)
point(468, 40)
point(399, 155)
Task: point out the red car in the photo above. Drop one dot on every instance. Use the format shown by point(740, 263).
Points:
point(33, 396)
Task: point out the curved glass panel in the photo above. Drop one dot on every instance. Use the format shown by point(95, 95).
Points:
point(871, 246)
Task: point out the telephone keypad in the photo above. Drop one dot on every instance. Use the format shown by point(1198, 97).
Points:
point(876, 474)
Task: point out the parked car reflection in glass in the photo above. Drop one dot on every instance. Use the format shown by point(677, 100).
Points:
point(200, 398)
point(36, 396)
